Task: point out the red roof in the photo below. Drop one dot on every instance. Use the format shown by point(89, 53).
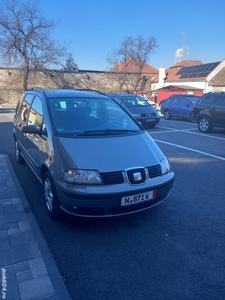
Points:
point(131, 67)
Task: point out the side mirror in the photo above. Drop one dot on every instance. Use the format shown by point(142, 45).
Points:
point(30, 129)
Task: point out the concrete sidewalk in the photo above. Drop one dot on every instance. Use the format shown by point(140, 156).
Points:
point(28, 270)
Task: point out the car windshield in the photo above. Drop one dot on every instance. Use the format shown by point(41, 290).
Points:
point(89, 116)
point(134, 101)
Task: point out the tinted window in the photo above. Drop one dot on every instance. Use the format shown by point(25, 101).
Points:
point(221, 101)
point(209, 99)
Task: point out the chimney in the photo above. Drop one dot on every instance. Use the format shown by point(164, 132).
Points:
point(162, 75)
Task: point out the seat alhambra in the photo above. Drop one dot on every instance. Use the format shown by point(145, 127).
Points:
point(91, 157)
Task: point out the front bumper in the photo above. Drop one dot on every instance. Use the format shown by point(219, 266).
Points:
point(105, 201)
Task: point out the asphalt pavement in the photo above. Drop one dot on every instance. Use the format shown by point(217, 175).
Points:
point(28, 270)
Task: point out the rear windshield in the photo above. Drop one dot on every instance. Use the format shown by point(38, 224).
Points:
point(79, 116)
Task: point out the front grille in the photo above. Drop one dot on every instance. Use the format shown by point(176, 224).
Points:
point(112, 177)
point(117, 177)
point(154, 171)
point(149, 115)
point(131, 177)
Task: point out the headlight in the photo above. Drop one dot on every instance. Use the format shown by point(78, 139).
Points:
point(82, 176)
point(165, 165)
point(136, 115)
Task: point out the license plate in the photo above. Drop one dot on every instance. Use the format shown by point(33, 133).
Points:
point(139, 198)
point(150, 120)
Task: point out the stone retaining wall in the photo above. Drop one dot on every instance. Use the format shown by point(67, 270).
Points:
point(11, 82)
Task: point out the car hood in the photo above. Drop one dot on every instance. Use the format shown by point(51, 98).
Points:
point(107, 154)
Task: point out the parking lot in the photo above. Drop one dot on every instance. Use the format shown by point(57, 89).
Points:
point(173, 251)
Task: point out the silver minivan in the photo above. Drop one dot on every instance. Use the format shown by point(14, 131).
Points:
point(91, 157)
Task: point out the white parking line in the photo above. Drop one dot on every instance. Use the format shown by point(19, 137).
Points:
point(191, 149)
point(172, 130)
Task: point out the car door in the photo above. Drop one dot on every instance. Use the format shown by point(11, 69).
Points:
point(184, 108)
point(218, 111)
point(174, 106)
point(35, 143)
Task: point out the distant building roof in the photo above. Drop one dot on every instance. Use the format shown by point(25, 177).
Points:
point(177, 88)
point(218, 79)
point(132, 67)
point(191, 70)
point(186, 63)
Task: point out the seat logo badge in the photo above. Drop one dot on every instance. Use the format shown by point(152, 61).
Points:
point(137, 176)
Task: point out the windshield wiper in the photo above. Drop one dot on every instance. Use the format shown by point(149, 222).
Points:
point(119, 130)
point(104, 132)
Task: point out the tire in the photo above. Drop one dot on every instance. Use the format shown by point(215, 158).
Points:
point(167, 114)
point(18, 156)
point(51, 200)
point(205, 124)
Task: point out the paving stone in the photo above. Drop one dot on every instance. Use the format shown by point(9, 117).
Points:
point(15, 230)
point(24, 226)
point(8, 209)
point(12, 218)
point(24, 276)
point(5, 202)
point(18, 267)
point(7, 192)
point(37, 288)
point(16, 200)
point(4, 241)
point(8, 225)
point(37, 267)
point(12, 291)
point(22, 238)
point(19, 254)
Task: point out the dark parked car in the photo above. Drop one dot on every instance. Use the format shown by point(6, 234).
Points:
point(179, 106)
point(139, 108)
point(81, 145)
point(209, 111)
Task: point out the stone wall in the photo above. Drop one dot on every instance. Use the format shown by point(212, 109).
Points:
point(11, 82)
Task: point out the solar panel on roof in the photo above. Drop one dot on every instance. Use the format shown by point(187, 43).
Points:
point(197, 71)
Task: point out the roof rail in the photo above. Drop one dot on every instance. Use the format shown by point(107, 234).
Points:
point(90, 90)
point(36, 88)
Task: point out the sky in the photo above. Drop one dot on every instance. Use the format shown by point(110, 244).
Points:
point(185, 29)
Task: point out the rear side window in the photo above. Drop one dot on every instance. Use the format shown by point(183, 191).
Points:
point(209, 99)
point(221, 101)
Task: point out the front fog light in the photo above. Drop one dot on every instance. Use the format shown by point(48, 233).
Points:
point(82, 176)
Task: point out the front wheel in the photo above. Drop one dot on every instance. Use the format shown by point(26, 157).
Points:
point(167, 114)
point(205, 124)
point(52, 203)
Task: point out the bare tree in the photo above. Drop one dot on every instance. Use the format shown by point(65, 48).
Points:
point(127, 61)
point(25, 38)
